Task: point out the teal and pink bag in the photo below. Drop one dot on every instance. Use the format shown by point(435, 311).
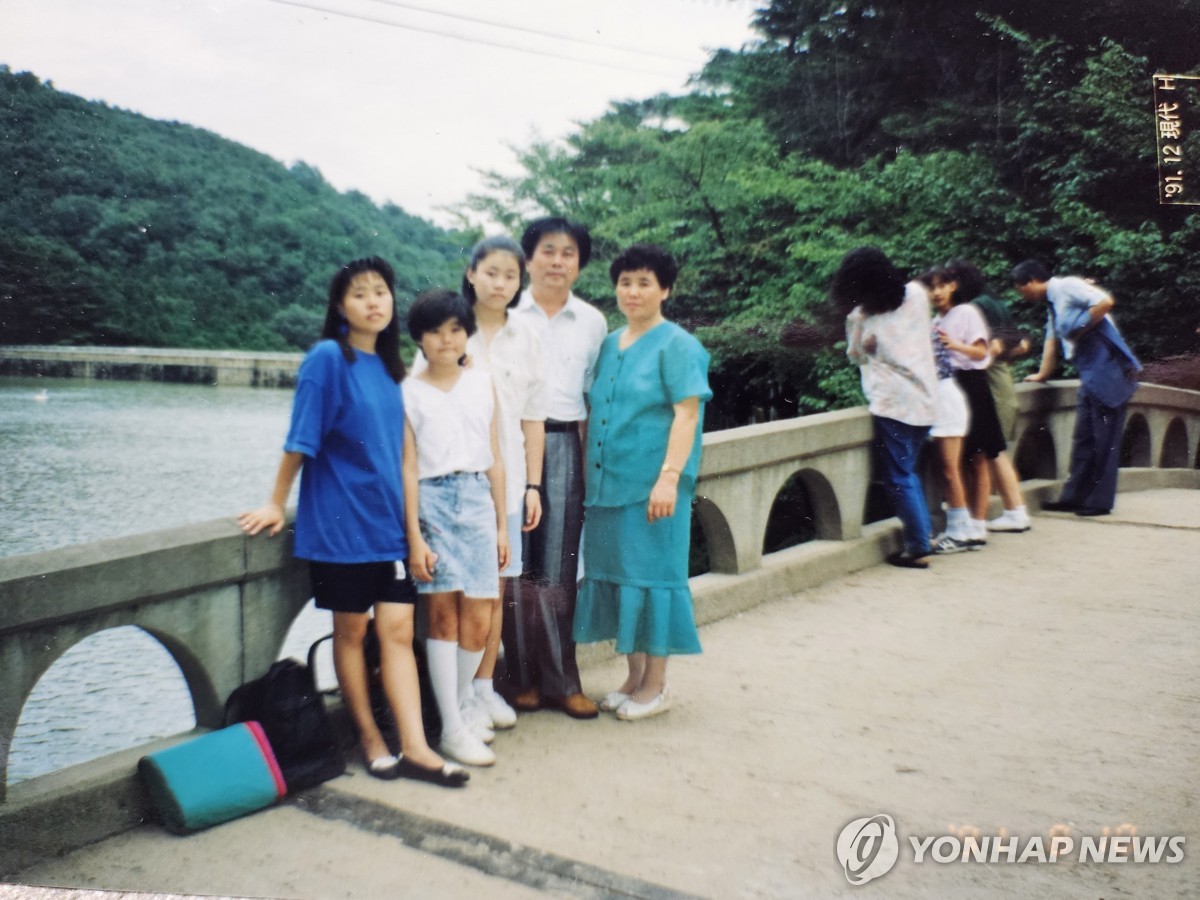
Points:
point(212, 778)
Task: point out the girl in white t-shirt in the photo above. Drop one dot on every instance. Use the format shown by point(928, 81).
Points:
point(964, 332)
point(952, 418)
point(455, 509)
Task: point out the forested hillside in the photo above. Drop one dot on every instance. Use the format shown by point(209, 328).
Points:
point(118, 229)
point(990, 130)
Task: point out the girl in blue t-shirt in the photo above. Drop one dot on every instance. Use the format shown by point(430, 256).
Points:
point(346, 441)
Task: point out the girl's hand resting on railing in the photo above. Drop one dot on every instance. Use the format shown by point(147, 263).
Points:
point(270, 516)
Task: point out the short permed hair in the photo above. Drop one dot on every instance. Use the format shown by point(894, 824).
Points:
point(971, 283)
point(539, 228)
point(433, 308)
point(649, 257)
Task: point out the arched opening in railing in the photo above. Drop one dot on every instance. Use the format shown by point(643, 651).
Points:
point(1135, 443)
point(116, 689)
point(309, 626)
point(698, 559)
point(720, 551)
point(792, 520)
point(1035, 456)
point(1174, 453)
point(804, 509)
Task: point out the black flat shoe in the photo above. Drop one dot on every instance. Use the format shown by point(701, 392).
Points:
point(908, 561)
point(447, 775)
point(1059, 506)
point(1092, 511)
point(385, 768)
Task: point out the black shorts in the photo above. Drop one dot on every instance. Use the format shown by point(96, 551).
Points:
point(356, 587)
point(984, 434)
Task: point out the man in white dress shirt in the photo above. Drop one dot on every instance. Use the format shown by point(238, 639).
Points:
point(539, 611)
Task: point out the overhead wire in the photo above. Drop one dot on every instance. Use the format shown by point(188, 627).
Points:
point(526, 30)
point(466, 39)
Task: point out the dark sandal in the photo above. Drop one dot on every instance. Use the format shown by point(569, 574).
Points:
point(447, 775)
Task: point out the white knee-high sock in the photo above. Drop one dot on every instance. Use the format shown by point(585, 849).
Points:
point(468, 665)
point(443, 674)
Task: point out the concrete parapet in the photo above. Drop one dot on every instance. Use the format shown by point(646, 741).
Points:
point(214, 367)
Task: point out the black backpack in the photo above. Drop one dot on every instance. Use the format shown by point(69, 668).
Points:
point(286, 702)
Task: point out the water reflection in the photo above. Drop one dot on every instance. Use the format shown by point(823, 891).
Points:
point(86, 460)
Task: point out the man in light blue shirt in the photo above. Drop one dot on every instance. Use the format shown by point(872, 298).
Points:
point(1079, 318)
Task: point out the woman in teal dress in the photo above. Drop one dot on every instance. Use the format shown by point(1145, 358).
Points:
point(643, 454)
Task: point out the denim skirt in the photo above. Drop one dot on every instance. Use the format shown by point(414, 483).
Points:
point(458, 521)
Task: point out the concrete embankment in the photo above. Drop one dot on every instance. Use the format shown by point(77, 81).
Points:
point(216, 367)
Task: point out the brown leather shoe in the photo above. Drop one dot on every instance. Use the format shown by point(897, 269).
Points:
point(528, 701)
point(576, 706)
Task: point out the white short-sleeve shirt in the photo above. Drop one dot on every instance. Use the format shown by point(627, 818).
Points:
point(570, 345)
point(966, 324)
point(513, 359)
point(452, 428)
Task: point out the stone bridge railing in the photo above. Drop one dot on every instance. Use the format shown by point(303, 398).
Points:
point(221, 603)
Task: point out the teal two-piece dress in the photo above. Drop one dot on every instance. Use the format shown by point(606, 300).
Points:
point(635, 588)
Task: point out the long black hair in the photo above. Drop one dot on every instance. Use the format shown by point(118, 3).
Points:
point(387, 344)
point(480, 252)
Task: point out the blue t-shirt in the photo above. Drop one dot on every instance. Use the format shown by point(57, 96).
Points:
point(348, 421)
point(632, 408)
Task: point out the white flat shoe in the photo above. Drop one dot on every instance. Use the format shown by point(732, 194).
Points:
point(612, 701)
point(631, 711)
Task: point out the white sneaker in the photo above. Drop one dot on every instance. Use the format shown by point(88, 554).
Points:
point(944, 544)
point(464, 747)
point(476, 718)
point(502, 715)
point(1011, 521)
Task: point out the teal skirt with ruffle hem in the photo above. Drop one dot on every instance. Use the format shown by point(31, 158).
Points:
point(635, 588)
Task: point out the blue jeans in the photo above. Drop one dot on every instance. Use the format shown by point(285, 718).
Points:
point(1095, 453)
point(899, 447)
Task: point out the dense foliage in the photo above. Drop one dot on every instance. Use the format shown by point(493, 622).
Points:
point(117, 229)
point(933, 129)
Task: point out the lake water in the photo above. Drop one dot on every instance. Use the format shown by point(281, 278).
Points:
point(85, 460)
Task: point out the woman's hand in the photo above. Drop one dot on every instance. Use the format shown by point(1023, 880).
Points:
point(421, 559)
point(503, 551)
point(533, 509)
point(270, 516)
point(662, 497)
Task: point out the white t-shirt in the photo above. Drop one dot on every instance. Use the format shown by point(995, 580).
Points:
point(514, 361)
point(966, 324)
point(570, 342)
point(452, 427)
